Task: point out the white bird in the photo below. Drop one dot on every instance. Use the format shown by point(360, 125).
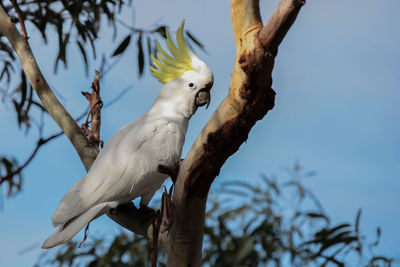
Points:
point(127, 166)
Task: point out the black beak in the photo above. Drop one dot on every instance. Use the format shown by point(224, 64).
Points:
point(203, 97)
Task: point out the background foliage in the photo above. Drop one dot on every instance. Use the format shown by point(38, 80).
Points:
point(268, 224)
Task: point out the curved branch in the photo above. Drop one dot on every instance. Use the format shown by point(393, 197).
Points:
point(250, 98)
point(250, 95)
point(272, 34)
point(71, 129)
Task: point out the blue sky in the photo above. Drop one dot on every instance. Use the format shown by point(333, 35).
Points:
point(337, 82)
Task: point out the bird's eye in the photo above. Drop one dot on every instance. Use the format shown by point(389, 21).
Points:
point(191, 84)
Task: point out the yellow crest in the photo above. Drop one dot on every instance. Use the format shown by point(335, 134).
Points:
point(166, 67)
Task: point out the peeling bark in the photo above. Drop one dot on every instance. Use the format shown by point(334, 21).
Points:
point(95, 105)
point(249, 99)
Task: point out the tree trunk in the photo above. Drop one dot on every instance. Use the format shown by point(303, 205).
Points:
point(249, 99)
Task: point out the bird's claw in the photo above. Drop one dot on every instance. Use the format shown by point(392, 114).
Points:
point(167, 209)
point(166, 213)
point(144, 208)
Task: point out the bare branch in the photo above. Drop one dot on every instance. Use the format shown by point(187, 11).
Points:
point(39, 143)
point(21, 19)
point(272, 34)
point(71, 129)
point(250, 98)
point(95, 105)
point(245, 16)
point(11, 173)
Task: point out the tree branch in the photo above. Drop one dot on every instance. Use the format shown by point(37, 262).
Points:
point(250, 98)
point(39, 143)
point(245, 16)
point(272, 34)
point(71, 129)
point(250, 95)
point(20, 168)
point(21, 19)
point(86, 151)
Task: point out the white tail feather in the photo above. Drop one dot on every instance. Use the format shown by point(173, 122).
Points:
point(72, 227)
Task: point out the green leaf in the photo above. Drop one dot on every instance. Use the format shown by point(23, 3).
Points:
point(324, 233)
point(271, 184)
point(40, 106)
point(140, 55)
point(29, 100)
point(357, 223)
point(162, 31)
point(194, 39)
point(85, 59)
point(122, 46)
point(91, 41)
point(18, 110)
point(93, 263)
point(378, 237)
point(22, 88)
point(149, 49)
point(315, 215)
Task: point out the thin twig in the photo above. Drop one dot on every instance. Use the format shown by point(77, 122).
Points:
point(42, 141)
point(39, 143)
point(131, 28)
point(117, 97)
point(21, 20)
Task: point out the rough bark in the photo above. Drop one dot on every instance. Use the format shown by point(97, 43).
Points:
point(249, 99)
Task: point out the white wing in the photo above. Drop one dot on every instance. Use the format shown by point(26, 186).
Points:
point(66, 232)
point(118, 166)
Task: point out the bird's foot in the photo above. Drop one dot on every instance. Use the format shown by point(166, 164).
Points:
point(167, 209)
point(154, 241)
point(144, 209)
point(172, 171)
point(85, 236)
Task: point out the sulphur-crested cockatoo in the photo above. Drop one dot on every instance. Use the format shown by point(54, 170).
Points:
point(127, 166)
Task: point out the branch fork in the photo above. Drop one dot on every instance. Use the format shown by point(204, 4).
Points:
point(250, 98)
